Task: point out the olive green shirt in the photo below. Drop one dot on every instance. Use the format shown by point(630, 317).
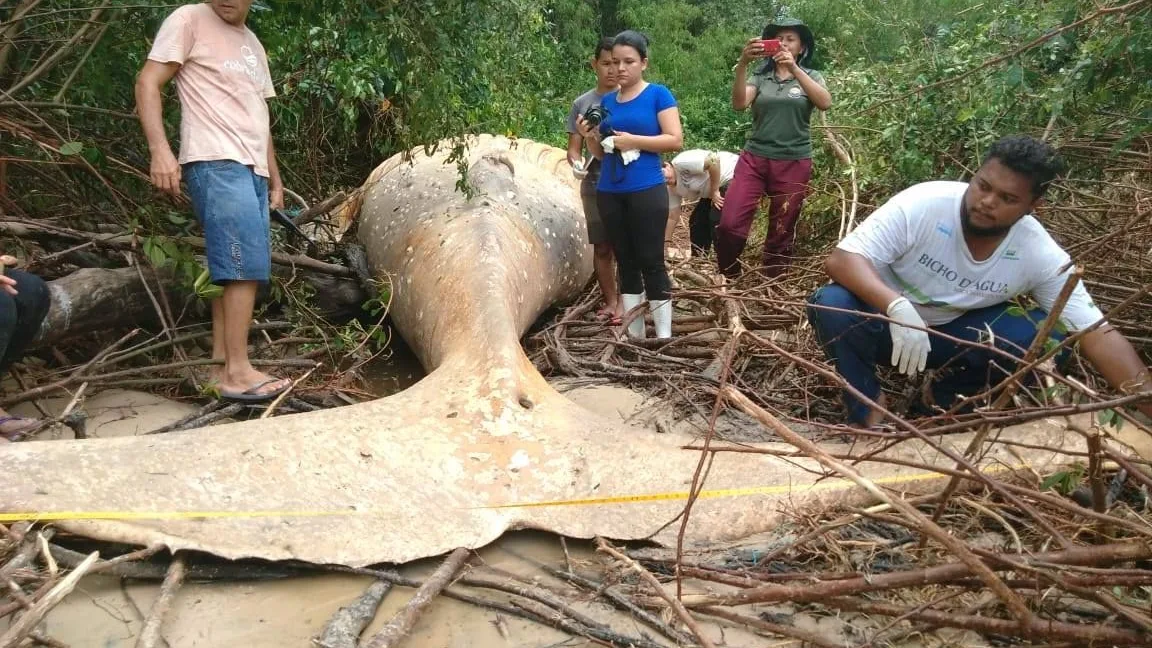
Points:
point(781, 112)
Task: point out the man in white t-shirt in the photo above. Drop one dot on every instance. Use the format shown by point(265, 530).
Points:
point(950, 257)
point(227, 159)
point(699, 176)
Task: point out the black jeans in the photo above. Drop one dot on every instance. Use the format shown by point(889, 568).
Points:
point(21, 315)
point(635, 223)
point(702, 224)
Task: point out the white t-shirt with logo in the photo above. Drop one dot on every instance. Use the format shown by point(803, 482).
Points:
point(916, 243)
point(223, 84)
point(692, 179)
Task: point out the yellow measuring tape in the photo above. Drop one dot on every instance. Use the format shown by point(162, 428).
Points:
point(829, 485)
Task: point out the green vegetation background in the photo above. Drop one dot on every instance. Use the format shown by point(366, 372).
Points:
point(360, 80)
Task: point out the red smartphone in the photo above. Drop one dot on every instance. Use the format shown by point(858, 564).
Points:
point(771, 46)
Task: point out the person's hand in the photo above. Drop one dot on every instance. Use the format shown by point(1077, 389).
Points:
point(165, 172)
point(753, 49)
point(579, 171)
point(276, 197)
point(785, 58)
point(7, 284)
point(586, 131)
point(717, 200)
point(625, 141)
point(909, 346)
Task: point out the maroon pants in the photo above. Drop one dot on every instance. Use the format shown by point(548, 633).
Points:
point(786, 184)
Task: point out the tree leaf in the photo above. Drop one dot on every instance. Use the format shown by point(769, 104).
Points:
point(71, 148)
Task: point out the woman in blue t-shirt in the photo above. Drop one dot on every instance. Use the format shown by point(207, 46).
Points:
point(642, 122)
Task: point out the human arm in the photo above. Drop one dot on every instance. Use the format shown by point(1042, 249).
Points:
point(671, 137)
point(817, 93)
point(744, 92)
point(275, 184)
point(164, 169)
point(1104, 347)
point(7, 284)
point(857, 274)
point(884, 237)
point(712, 166)
point(591, 137)
point(1113, 356)
point(575, 149)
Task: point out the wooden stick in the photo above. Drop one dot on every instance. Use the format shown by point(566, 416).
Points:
point(401, 624)
point(804, 636)
point(150, 634)
point(27, 623)
point(675, 604)
point(344, 628)
point(321, 208)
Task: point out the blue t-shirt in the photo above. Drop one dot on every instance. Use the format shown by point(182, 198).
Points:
point(635, 117)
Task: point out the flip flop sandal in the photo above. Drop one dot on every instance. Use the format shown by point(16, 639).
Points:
point(14, 428)
point(253, 393)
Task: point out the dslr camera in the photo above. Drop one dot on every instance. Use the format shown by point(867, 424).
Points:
point(595, 117)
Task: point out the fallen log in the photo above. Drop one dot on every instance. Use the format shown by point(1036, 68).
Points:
point(96, 299)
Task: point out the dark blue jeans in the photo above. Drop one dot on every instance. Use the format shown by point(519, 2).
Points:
point(855, 343)
point(21, 315)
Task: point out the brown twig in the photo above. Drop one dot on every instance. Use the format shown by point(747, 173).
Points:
point(401, 624)
point(648, 578)
point(28, 621)
point(150, 634)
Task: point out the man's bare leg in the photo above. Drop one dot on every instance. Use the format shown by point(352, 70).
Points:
point(605, 264)
point(875, 416)
point(217, 371)
point(236, 307)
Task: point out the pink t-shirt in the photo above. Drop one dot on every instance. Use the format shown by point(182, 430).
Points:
point(222, 84)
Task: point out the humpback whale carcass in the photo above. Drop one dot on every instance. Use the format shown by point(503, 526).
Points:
point(429, 469)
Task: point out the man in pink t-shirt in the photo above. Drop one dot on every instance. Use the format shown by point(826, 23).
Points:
point(228, 161)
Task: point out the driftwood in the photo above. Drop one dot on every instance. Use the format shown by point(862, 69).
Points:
point(401, 624)
point(344, 628)
point(32, 617)
point(95, 299)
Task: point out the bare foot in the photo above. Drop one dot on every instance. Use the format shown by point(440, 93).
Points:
point(253, 384)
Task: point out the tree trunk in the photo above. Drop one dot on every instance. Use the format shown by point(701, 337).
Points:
point(95, 299)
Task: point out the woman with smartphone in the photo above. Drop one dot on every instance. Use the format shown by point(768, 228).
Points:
point(642, 122)
point(776, 161)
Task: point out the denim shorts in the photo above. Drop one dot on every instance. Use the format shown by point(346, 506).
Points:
point(231, 203)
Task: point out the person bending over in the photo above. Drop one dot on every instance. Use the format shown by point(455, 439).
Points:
point(701, 176)
point(589, 174)
point(24, 301)
point(643, 122)
point(227, 157)
point(953, 257)
point(777, 158)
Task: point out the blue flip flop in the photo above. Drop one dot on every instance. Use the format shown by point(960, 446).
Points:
point(253, 395)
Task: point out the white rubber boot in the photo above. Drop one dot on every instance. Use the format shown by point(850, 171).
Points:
point(628, 302)
point(661, 317)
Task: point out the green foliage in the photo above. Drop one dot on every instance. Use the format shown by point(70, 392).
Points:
point(359, 80)
point(1064, 481)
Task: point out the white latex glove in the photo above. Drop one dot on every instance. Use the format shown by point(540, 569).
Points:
point(909, 346)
